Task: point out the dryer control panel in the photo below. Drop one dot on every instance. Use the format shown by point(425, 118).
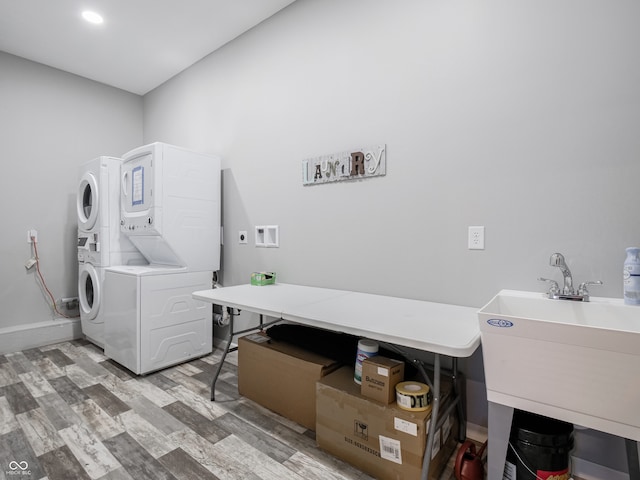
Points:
point(140, 224)
point(138, 204)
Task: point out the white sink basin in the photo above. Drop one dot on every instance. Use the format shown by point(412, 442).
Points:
point(576, 361)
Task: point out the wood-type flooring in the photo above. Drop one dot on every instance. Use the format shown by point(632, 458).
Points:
point(67, 412)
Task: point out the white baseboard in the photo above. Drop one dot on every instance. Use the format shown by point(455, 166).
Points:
point(32, 335)
point(477, 433)
point(587, 470)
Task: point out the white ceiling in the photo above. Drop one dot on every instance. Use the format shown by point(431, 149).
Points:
point(140, 45)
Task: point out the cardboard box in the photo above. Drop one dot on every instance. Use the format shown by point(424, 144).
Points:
point(382, 440)
point(281, 377)
point(380, 375)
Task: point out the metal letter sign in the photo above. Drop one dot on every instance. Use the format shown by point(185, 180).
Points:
point(349, 165)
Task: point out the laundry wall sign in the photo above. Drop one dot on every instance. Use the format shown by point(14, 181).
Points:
point(349, 165)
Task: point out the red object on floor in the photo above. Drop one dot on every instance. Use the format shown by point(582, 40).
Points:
point(469, 464)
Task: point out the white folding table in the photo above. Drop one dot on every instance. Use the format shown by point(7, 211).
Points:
point(403, 324)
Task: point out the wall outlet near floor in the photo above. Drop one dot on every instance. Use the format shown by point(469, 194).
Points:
point(242, 236)
point(476, 238)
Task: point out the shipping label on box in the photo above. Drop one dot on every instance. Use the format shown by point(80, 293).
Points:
point(380, 375)
point(390, 449)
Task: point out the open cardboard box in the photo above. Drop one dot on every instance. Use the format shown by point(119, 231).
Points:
point(281, 376)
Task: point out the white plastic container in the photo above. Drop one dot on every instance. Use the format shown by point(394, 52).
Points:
point(631, 276)
point(366, 349)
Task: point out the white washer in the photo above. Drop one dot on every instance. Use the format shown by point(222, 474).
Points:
point(151, 319)
point(90, 286)
point(100, 242)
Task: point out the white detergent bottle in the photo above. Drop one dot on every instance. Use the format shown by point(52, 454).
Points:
point(631, 276)
point(366, 349)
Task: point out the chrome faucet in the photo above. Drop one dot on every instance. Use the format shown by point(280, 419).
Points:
point(557, 260)
point(567, 292)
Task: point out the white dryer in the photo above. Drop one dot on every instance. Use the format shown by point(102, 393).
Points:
point(151, 319)
point(170, 205)
point(100, 242)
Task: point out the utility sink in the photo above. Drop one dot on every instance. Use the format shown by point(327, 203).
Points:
point(575, 361)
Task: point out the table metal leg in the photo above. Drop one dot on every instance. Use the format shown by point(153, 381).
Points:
point(500, 418)
point(633, 458)
point(435, 421)
point(261, 326)
point(224, 355)
point(433, 424)
point(462, 420)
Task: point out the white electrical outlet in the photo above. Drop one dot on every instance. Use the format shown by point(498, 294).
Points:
point(476, 238)
point(32, 234)
point(242, 236)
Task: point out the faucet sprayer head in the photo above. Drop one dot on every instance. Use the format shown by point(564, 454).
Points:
point(557, 260)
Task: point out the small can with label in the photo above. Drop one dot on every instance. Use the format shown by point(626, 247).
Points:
point(631, 276)
point(366, 349)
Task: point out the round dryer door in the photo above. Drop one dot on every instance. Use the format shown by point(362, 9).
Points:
point(88, 291)
point(87, 201)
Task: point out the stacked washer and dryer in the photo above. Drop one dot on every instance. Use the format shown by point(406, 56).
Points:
point(100, 244)
point(168, 210)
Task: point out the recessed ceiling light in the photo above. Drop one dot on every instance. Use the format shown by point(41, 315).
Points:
point(92, 17)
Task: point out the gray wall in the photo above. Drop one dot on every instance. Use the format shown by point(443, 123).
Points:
point(519, 116)
point(522, 118)
point(50, 122)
